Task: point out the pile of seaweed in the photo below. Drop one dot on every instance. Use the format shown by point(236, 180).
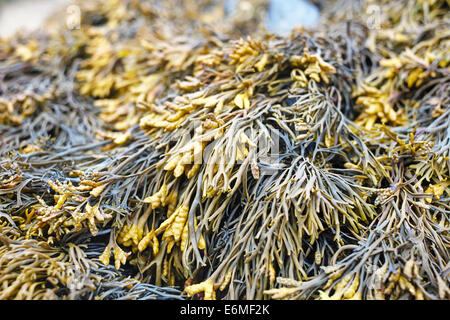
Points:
point(171, 149)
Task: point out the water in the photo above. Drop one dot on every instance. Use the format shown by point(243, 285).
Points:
point(283, 15)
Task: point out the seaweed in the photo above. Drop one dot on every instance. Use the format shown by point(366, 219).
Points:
point(174, 150)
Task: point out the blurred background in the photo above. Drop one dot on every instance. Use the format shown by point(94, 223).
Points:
point(18, 15)
point(282, 16)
